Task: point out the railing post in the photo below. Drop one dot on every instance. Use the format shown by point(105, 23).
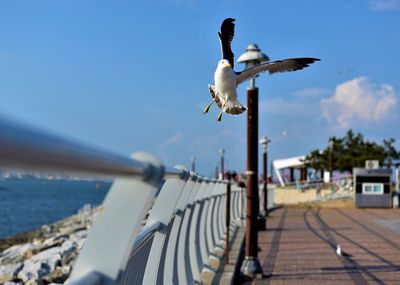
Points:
point(242, 200)
point(210, 229)
point(162, 212)
point(172, 255)
point(184, 272)
point(228, 216)
point(107, 248)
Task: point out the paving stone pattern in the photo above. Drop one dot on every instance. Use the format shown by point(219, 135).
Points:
point(299, 247)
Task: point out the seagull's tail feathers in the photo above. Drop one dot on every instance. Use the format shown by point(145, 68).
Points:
point(234, 107)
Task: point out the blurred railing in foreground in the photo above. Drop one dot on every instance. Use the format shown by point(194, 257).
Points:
point(158, 225)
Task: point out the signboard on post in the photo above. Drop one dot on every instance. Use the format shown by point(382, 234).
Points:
point(372, 164)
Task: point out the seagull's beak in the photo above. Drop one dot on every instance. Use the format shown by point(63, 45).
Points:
point(228, 65)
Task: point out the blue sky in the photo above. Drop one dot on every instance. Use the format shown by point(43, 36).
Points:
point(132, 75)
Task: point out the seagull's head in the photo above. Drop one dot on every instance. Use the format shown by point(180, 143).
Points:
point(224, 63)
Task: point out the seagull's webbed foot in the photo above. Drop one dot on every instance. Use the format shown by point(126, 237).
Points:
point(219, 118)
point(207, 108)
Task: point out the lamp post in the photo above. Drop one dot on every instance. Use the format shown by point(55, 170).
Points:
point(397, 173)
point(264, 142)
point(321, 170)
point(251, 265)
point(222, 153)
point(331, 162)
point(193, 160)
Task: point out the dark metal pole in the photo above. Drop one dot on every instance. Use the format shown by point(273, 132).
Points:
point(228, 217)
point(330, 165)
point(222, 164)
point(193, 164)
point(251, 266)
point(291, 174)
point(265, 177)
point(331, 160)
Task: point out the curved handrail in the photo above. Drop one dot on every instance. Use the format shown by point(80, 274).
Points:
point(24, 147)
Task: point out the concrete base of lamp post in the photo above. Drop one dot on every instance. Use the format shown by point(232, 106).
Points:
point(251, 268)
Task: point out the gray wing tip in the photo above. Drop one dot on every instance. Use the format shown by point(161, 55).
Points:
point(309, 59)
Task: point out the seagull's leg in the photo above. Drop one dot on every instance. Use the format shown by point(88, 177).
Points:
point(219, 118)
point(207, 108)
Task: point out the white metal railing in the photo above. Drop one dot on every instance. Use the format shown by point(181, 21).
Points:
point(185, 226)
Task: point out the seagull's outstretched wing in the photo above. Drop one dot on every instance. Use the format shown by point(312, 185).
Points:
point(226, 35)
point(286, 65)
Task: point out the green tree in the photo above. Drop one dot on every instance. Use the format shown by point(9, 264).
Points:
point(352, 151)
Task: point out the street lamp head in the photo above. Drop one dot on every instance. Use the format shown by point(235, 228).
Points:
point(253, 56)
point(222, 152)
point(264, 142)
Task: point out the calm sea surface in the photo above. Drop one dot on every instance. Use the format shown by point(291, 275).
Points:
point(26, 204)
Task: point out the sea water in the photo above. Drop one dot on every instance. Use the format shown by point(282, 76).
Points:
point(29, 203)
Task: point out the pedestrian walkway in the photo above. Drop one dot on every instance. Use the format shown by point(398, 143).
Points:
point(300, 243)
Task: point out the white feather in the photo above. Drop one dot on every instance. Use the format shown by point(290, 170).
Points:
point(225, 84)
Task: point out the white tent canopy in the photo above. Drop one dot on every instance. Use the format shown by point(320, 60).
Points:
point(293, 162)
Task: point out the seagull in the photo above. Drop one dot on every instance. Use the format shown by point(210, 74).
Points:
point(340, 252)
point(226, 79)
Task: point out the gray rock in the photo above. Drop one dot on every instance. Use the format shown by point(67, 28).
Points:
point(54, 241)
point(51, 257)
point(68, 246)
point(69, 258)
point(9, 271)
point(33, 270)
point(13, 283)
point(64, 254)
point(46, 229)
point(71, 229)
point(59, 275)
point(80, 243)
point(34, 282)
point(15, 253)
point(79, 235)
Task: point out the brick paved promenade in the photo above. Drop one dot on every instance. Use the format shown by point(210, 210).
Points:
point(299, 246)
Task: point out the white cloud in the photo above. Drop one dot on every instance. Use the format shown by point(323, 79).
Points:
point(312, 92)
point(359, 101)
point(384, 5)
point(175, 139)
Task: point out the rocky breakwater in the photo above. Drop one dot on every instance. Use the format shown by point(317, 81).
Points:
point(49, 253)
